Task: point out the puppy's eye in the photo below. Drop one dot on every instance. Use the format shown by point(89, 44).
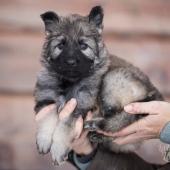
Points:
point(83, 45)
point(61, 44)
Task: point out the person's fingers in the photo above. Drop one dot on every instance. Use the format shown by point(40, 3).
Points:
point(44, 111)
point(80, 139)
point(84, 134)
point(109, 134)
point(68, 109)
point(153, 107)
point(133, 138)
point(89, 116)
point(134, 127)
point(78, 127)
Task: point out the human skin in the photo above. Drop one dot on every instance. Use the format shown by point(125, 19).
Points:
point(147, 128)
point(81, 144)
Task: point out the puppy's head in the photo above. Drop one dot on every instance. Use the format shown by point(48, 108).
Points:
point(73, 43)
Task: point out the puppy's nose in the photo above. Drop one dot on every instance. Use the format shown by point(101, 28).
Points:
point(71, 62)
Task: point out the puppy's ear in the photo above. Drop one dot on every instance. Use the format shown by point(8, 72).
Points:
point(96, 16)
point(51, 19)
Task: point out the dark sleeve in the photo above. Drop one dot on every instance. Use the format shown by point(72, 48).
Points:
point(165, 134)
point(164, 167)
point(81, 162)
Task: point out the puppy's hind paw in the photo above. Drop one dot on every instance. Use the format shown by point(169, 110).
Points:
point(95, 138)
point(94, 125)
point(59, 154)
point(91, 126)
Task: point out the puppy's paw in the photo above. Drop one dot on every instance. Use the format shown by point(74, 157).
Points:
point(60, 143)
point(95, 137)
point(43, 143)
point(45, 130)
point(59, 153)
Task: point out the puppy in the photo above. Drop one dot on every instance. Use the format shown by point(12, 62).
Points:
point(76, 64)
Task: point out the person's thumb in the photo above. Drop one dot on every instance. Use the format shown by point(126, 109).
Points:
point(78, 127)
point(153, 107)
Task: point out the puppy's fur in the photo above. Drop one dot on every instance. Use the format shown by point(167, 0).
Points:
point(76, 64)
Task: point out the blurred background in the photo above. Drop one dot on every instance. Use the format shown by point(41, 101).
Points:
point(136, 30)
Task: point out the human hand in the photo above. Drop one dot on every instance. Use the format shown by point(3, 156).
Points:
point(81, 144)
point(65, 112)
point(148, 127)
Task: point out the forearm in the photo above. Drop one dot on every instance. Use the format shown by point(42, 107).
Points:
point(153, 151)
point(156, 151)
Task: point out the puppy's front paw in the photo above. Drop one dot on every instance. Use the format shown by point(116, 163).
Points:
point(45, 130)
point(43, 143)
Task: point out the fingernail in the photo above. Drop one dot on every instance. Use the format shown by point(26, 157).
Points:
point(79, 122)
point(76, 137)
point(115, 134)
point(73, 101)
point(128, 108)
point(37, 118)
point(79, 119)
point(89, 116)
point(40, 116)
point(117, 141)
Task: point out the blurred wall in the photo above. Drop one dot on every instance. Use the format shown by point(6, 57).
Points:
point(136, 30)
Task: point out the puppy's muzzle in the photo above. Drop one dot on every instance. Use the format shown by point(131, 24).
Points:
point(71, 62)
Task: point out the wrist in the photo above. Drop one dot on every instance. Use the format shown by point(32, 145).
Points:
point(88, 150)
point(84, 158)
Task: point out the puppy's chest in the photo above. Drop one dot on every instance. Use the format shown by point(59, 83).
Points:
point(65, 87)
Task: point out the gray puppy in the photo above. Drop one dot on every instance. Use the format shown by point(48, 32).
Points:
point(76, 64)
